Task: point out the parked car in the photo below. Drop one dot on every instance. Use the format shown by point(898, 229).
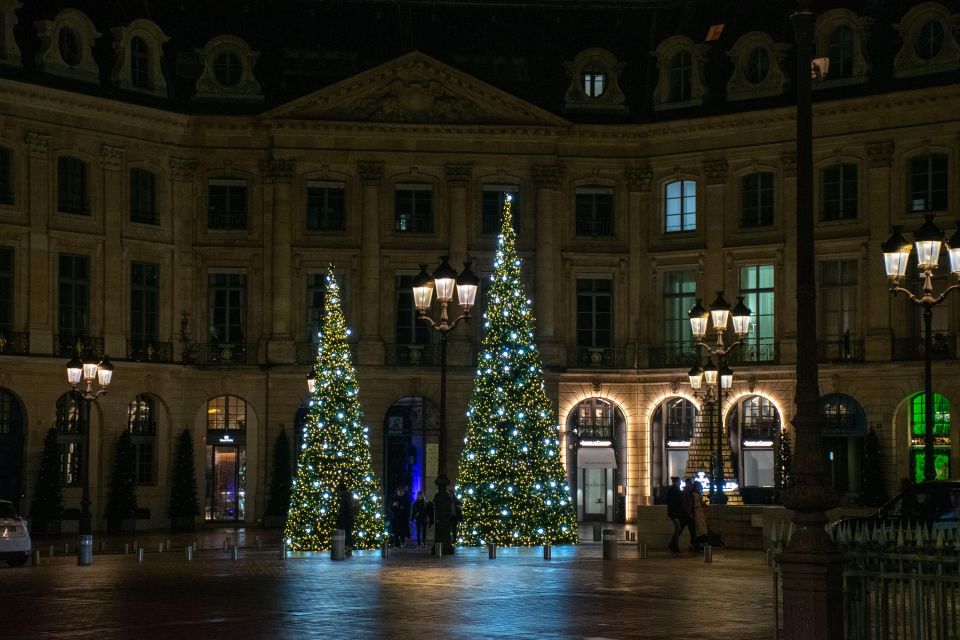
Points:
point(934, 504)
point(14, 536)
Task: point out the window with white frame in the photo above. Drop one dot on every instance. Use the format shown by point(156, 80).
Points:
point(680, 206)
point(756, 287)
point(679, 294)
point(838, 304)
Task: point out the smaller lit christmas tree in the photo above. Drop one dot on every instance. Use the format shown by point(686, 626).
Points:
point(336, 447)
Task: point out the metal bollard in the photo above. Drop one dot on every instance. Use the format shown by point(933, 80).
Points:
point(610, 545)
point(126, 548)
point(385, 549)
point(51, 551)
point(259, 544)
point(547, 551)
point(140, 555)
point(236, 553)
point(597, 532)
point(85, 551)
point(707, 553)
point(189, 552)
point(226, 543)
point(438, 549)
point(160, 549)
point(102, 546)
point(168, 544)
point(337, 545)
point(36, 557)
point(136, 546)
point(642, 549)
point(283, 551)
point(492, 550)
point(66, 548)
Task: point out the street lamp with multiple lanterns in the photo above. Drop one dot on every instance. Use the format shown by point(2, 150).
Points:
point(81, 375)
point(928, 241)
point(717, 376)
point(444, 280)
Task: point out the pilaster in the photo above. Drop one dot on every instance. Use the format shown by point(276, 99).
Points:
point(370, 351)
point(547, 182)
point(183, 201)
point(111, 160)
point(876, 300)
point(39, 204)
point(278, 237)
point(638, 202)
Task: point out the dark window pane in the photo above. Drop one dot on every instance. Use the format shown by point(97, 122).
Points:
point(227, 204)
point(6, 176)
point(72, 186)
point(143, 197)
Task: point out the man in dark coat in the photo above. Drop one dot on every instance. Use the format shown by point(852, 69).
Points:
point(346, 515)
point(400, 517)
point(675, 512)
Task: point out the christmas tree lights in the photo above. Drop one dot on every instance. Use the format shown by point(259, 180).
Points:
point(511, 480)
point(336, 447)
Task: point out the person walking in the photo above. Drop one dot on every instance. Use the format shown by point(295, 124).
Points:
point(699, 517)
point(422, 516)
point(675, 513)
point(346, 516)
point(400, 517)
point(686, 516)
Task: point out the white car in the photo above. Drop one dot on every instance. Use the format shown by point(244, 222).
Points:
point(14, 536)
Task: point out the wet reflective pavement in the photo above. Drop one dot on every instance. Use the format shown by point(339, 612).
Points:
point(408, 595)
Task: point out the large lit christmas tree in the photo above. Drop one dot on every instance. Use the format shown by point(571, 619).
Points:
point(336, 447)
point(511, 480)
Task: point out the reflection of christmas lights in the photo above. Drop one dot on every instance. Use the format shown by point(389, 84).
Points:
point(701, 477)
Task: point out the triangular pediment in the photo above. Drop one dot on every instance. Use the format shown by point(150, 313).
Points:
point(415, 89)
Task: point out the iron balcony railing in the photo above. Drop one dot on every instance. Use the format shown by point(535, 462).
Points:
point(411, 355)
point(222, 355)
point(670, 356)
point(594, 227)
point(843, 350)
point(596, 358)
point(227, 221)
point(149, 351)
point(14, 343)
point(747, 353)
point(944, 348)
point(68, 346)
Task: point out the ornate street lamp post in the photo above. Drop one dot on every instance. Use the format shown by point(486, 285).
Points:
point(718, 378)
point(443, 280)
point(928, 241)
point(81, 376)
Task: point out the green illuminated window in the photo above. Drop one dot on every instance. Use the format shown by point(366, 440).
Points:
point(941, 416)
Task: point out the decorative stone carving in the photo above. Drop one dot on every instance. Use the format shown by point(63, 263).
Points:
point(910, 61)
point(371, 173)
point(66, 46)
point(111, 157)
point(715, 171)
point(458, 175)
point(183, 169)
point(881, 153)
point(9, 51)
point(789, 162)
point(547, 176)
point(38, 144)
point(278, 170)
point(638, 179)
point(743, 84)
point(240, 84)
point(154, 38)
point(599, 64)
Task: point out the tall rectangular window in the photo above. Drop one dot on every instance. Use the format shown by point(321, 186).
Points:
point(6, 290)
point(144, 301)
point(756, 287)
point(928, 183)
point(227, 204)
point(680, 206)
point(839, 192)
point(838, 300)
point(594, 212)
point(316, 299)
point(681, 77)
point(491, 208)
point(413, 211)
point(326, 206)
point(6, 176)
point(74, 296)
point(143, 196)
point(594, 313)
point(410, 329)
point(228, 307)
point(840, 52)
point(72, 194)
point(756, 199)
point(679, 294)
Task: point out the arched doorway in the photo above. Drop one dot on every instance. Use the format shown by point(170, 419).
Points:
point(844, 428)
point(753, 426)
point(226, 459)
point(596, 435)
point(410, 433)
point(11, 447)
point(917, 423)
point(671, 430)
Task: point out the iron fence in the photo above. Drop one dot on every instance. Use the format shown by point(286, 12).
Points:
point(69, 346)
point(14, 343)
point(596, 358)
point(149, 351)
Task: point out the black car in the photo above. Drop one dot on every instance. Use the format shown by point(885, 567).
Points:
point(934, 504)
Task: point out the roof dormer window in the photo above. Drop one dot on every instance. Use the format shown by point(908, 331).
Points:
point(68, 43)
point(841, 35)
point(66, 46)
point(757, 72)
point(681, 64)
point(139, 51)
point(929, 42)
point(227, 73)
point(594, 82)
point(227, 69)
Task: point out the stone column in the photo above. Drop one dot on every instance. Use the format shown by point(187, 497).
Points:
point(784, 295)
point(638, 203)
point(39, 204)
point(370, 350)
point(113, 298)
point(547, 181)
point(877, 302)
point(711, 216)
point(278, 240)
point(183, 203)
point(458, 181)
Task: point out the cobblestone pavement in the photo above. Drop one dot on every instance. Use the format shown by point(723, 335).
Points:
point(576, 594)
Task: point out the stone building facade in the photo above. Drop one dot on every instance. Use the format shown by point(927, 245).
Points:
point(182, 234)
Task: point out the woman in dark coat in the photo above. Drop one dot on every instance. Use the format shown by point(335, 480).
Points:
point(345, 516)
point(422, 515)
point(400, 517)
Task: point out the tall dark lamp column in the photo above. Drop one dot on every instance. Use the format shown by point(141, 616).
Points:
point(928, 241)
point(81, 376)
point(443, 280)
point(718, 378)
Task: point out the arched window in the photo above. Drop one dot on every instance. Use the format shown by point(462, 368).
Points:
point(844, 427)
point(596, 436)
point(941, 435)
point(71, 423)
point(758, 65)
point(11, 414)
point(595, 419)
point(139, 63)
point(754, 428)
point(142, 425)
point(672, 425)
point(681, 77)
point(680, 206)
point(11, 446)
point(594, 82)
point(227, 412)
point(840, 51)
point(930, 39)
